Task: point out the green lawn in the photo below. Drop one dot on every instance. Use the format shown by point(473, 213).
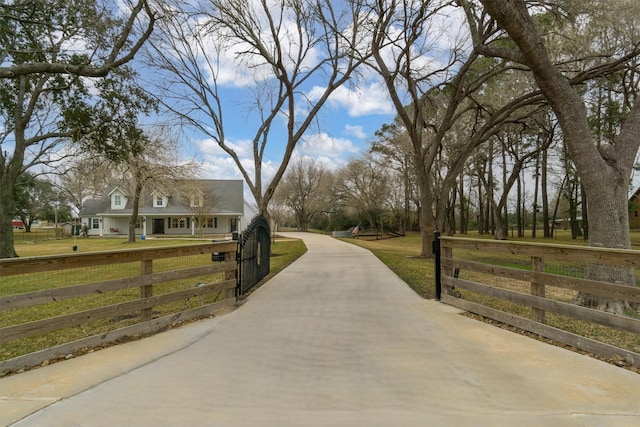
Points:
point(38, 246)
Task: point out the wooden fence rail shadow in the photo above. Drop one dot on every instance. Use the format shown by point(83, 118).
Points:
point(476, 273)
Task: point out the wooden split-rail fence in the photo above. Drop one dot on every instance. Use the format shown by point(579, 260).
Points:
point(105, 297)
point(534, 286)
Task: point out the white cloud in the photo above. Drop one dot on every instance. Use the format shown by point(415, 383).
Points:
point(371, 98)
point(356, 131)
point(217, 164)
point(211, 148)
point(334, 152)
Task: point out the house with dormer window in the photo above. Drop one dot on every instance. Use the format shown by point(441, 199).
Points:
point(185, 207)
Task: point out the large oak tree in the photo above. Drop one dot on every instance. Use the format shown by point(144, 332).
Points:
point(49, 50)
point(287, 57)
point(604, 168)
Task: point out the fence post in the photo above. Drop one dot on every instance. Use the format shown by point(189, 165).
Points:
point(146, 267)
point(438, 267)
point(537, 289)
point(231, 275)
point(239, 267)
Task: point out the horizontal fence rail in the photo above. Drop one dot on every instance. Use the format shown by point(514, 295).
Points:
point(535, 287)
point(88, 300)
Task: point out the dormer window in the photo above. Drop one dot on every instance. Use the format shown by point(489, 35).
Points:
point(159, 201)
point(118, 199)
point(196, 201)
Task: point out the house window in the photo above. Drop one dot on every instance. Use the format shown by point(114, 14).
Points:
point(95, 223)
point(181, 222)
point(635, 214)
point(215, 222)
point(159, 201)
point(207, 222)
point(117, 200)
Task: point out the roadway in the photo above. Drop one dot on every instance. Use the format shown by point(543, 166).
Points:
point(336, 339)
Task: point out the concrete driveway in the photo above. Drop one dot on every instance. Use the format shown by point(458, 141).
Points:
point(336, 339)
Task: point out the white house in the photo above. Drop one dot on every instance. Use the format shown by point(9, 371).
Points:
point(188, 207)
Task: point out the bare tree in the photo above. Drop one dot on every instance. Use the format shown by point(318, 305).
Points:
point(201, 201)
point(82, 176)
point(279, 52)
point(305, 189)
point(363, 187)
point(396, 151)
point(150, 163)
point(403, 29)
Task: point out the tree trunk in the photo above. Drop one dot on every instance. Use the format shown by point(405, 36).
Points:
point(573, 211)
point(502, 227)
point(481, 226)
point(133, 219)
point(545, 196)
point(463, 204)
point(519, 210)
point(610, 227)
point(534, 210)
point(7, 204)
point(10, 170)
point(407, 200)
point(585, 213)
point(453, 200)
point(427, 223)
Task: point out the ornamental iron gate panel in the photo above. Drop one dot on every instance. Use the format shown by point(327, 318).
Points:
point(254, 254)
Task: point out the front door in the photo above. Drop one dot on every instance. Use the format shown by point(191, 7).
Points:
point(157, 226)
point(233, 223)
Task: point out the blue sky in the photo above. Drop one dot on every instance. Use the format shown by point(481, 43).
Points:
point(344, 129)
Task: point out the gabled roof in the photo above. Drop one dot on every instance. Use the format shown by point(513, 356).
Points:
point(91, 207)
point(114, 189)
point(228, 194)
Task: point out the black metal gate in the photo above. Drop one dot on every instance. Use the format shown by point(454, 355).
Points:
point(254, 254)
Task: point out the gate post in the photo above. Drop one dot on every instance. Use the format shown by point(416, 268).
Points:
point(438, 267)
point(238, 239)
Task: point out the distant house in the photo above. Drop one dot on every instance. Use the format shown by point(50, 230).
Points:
point(634, 210)
point(250, 211)
point(69, 228)
point(189, 207)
